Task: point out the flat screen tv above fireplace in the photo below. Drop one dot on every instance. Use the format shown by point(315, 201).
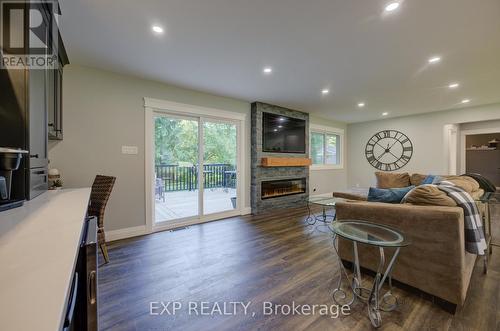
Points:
point(283, 134)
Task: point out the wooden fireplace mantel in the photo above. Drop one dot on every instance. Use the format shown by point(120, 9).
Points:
point(285, 162)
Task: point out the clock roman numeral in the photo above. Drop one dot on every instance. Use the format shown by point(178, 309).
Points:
point(405, 158)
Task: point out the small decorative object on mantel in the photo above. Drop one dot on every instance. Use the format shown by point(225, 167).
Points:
point(55, 182)
point(389, 150)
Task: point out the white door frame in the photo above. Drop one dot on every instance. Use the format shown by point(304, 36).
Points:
point(152, 106)
point(450, 136)
point(463, 147)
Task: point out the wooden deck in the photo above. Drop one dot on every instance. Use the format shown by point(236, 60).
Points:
point(183, 204)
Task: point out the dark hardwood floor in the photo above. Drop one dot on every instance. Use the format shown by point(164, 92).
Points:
point(270, 258)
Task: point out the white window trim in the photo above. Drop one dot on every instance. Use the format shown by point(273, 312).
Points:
point(328, 130)
point(188, 109)
point(152, 106)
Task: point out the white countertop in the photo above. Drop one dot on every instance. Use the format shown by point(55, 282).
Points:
point(38, 247)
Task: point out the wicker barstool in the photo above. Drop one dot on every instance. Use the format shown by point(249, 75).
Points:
point(101, 190)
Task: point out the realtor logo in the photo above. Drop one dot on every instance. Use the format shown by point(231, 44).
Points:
point(29, 35)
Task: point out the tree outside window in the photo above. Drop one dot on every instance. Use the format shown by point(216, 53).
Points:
point(325, 148)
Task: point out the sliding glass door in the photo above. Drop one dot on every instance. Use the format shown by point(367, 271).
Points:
point(196, 168)
point(176, 175)
point(219, 166)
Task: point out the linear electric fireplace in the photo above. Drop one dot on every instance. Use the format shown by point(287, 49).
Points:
point(278, 188)
point(278, 185)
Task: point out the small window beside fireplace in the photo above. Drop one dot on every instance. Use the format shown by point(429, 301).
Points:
point(279, 188)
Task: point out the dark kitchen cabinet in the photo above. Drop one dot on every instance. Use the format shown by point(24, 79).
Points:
point(31, 102)
point(55, 110)
point(37, 118)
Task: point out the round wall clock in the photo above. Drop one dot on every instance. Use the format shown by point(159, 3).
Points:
point(389, 150)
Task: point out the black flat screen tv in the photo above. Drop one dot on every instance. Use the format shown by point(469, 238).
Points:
point(283, 134)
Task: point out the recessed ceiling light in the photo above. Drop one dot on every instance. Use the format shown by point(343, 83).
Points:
point(275, 130)
point(454, 85)
point(385, 114)
point(157, 29)
point(281, 119)
point(465, 100)
point(434, 59)
point(361, 104)
point(392, 6)
point(280, 126)
point(267, 70)
point(325, 91)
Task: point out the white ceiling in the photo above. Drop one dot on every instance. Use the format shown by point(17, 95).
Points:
point(348, 46)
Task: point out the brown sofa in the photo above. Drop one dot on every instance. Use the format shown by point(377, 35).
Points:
point(436, 262)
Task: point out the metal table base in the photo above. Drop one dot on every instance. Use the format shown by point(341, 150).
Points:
point(486, 217)
point(313, 218)
point(388, 302)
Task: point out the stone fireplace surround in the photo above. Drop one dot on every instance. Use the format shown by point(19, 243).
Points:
point(260, 174)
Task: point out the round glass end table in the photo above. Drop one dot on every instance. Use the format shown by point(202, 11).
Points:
point(326, 203)
point(379, 236)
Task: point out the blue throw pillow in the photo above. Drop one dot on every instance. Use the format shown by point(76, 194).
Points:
point(389, 195)
point(431, 179)
point(428, 180)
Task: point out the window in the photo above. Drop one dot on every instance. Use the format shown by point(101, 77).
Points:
point(326, 147)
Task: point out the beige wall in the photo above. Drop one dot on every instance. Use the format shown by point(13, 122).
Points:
point(426, 132)
point(103, 111)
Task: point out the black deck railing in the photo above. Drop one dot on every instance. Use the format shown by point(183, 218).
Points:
point(177, 178)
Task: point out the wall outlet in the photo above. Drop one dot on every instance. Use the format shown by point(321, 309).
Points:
point(133, 150)
point(357, 184)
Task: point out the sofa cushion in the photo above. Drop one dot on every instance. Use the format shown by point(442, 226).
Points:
point(429, 195)
point(392, 179)
point(417, 179)
point(468, 184)
point(389, 195)
point(352, 194)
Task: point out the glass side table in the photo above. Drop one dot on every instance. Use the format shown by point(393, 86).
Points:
point(488, 199)
point(379, 236)
point(326, 203)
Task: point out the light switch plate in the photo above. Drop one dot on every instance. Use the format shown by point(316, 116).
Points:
point(130, 150)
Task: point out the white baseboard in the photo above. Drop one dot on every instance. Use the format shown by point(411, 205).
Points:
point(246, 211)
point(126, 233)
point(141, 229)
